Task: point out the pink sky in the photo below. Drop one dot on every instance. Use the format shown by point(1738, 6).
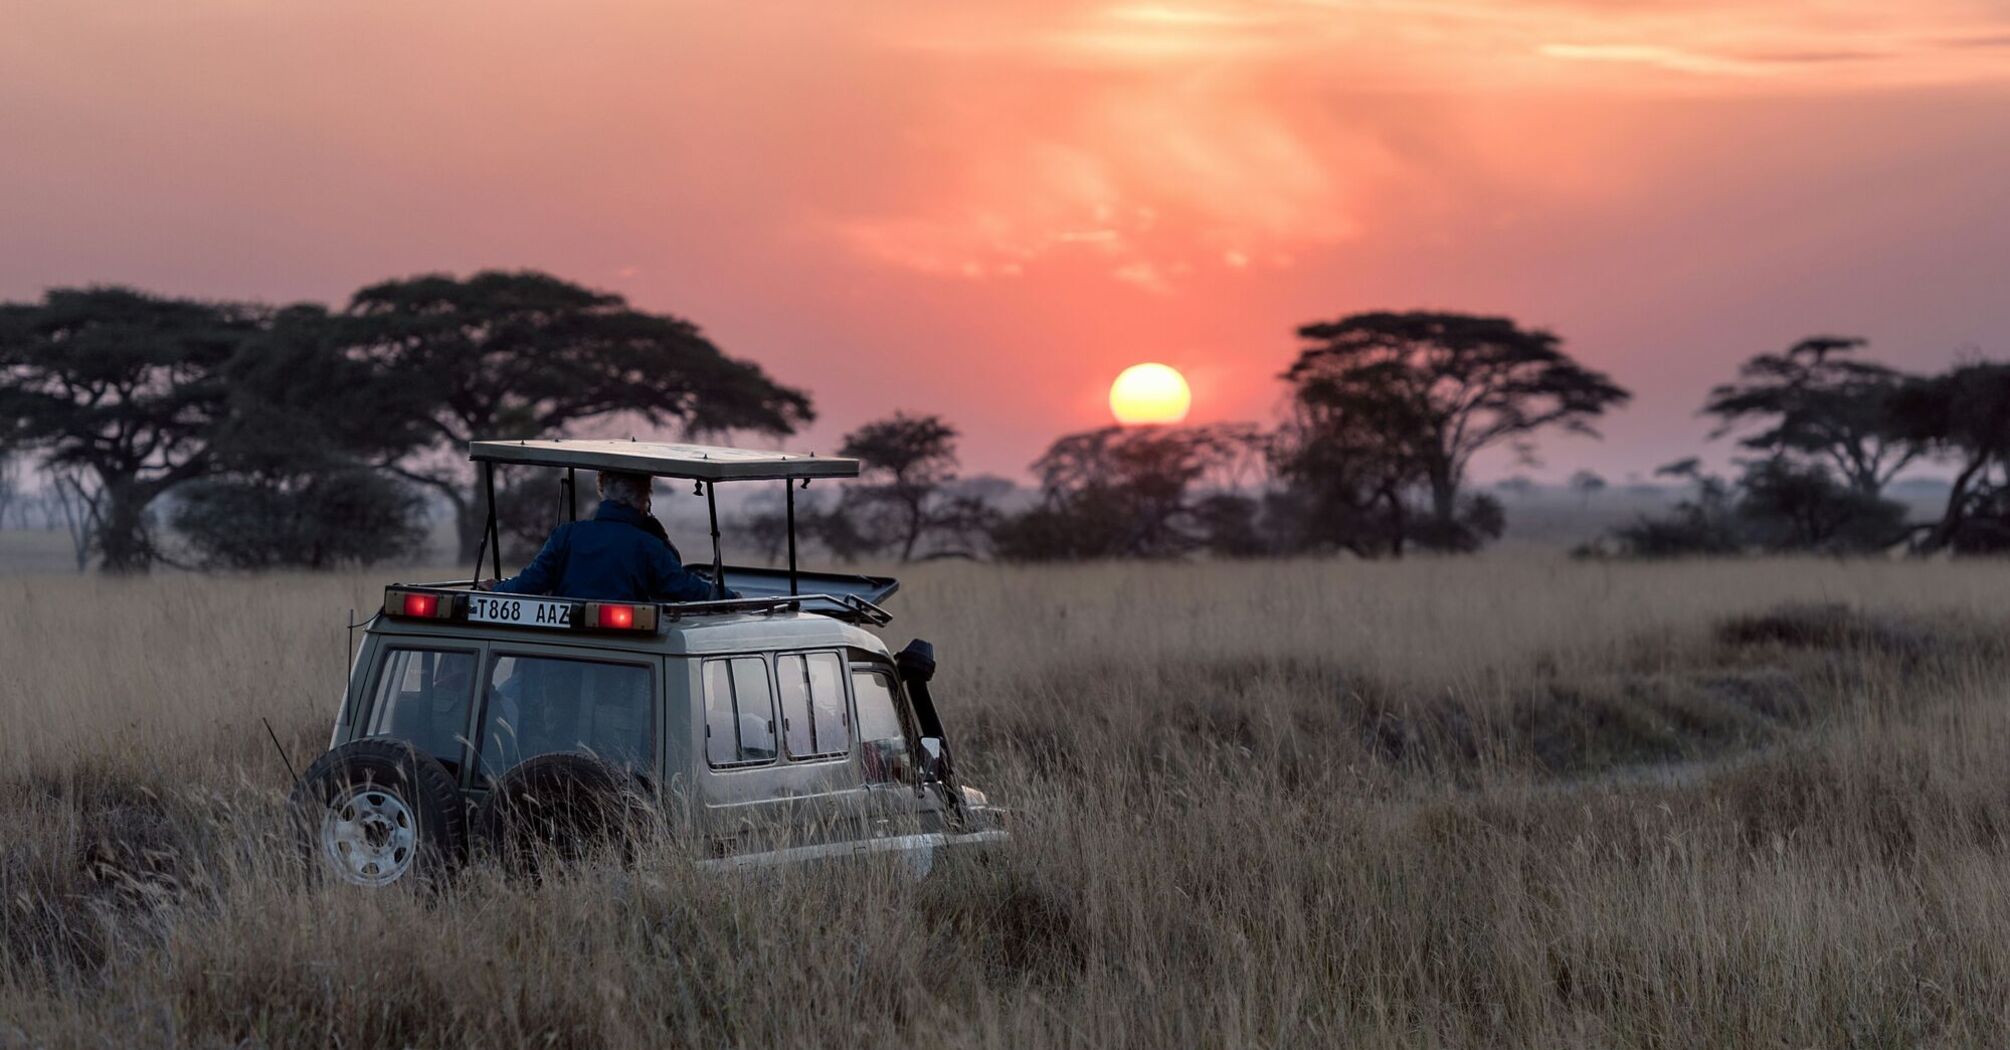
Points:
point(989, 210)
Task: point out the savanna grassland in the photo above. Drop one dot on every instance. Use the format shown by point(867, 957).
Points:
point(1475, 803)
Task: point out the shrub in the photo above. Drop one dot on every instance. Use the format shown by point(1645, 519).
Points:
point(349, 517)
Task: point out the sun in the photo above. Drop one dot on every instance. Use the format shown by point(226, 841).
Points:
point(1150, 393)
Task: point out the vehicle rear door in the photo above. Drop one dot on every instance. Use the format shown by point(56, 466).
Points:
point(538, 699)
point(420, 691)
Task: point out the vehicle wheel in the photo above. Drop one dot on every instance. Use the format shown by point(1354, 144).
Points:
point(377, 812)
point(558, 806)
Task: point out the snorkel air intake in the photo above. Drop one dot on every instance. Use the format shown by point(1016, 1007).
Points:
point(917, 667)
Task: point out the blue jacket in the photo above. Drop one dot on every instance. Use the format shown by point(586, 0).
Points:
point(612, 558)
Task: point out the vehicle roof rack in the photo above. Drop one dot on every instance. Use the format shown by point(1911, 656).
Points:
point(665, 460)
point(850, 608)
point(844, 606)
point(707, 464)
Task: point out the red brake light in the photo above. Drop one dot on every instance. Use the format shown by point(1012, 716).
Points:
point(614, 616)
point(418, 605)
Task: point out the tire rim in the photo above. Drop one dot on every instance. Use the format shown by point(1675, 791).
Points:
point(369, 836)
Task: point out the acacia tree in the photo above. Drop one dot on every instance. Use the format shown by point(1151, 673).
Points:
point(1347, 477)
point(525, 354)
point(909, 463)
point(1705, 523)
point(119, 391)
point(1439, 388)
point(1586, 483)
point(293, 483)
point(1118, 492)
point(1964, 413)
point(1788, 504)
point(1815, 402)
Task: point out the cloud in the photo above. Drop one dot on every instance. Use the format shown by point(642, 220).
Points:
point(1152, 177)
point(1814, 57)
point(1750, 64)
point(1979, 40)
point(1163, 137)
point(1651, 55)
point(1165, 14)
point(1144, 275)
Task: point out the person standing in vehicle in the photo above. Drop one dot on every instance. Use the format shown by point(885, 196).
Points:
point(615, 556)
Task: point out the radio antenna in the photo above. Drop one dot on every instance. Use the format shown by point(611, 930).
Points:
point(283, 756)
point(349, 656)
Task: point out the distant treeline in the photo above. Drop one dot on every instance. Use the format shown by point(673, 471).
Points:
point(1826, 433)
point(1386, 412)
point(261, 436)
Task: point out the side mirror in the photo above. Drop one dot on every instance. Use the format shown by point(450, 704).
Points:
point(934, 759)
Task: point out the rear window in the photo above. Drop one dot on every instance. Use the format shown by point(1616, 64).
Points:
point(538, 705)
point(422, 697)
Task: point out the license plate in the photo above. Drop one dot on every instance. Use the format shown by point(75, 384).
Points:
point(518, 612)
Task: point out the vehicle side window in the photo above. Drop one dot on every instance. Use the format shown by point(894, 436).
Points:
point(422, 697)
point(814, 723)
point(739, 712)
point(882, 742)
point(538, 705)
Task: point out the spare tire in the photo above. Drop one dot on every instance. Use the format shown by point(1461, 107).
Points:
point(376, 812)
point(560, 805)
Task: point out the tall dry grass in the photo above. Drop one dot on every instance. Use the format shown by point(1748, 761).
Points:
point(1456, 803)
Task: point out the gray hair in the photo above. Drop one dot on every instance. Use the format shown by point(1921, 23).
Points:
point(623, 487)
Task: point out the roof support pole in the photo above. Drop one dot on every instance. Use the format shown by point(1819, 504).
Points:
point(488, 525)
point(789, 501)
point(572, 493)
point(718, 560)
point(494, 538)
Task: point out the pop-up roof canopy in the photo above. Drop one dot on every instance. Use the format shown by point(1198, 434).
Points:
point(665, 460)
point(706, 464)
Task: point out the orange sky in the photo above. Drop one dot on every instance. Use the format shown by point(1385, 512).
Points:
point(988, 210)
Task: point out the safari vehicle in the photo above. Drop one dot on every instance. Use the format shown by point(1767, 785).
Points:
point(769, 728)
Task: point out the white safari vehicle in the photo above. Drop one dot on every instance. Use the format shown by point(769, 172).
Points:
point(771, 728)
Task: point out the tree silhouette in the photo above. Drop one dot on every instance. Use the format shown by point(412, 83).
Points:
point(1126, 492)
point(1439, 388)
point(292, 483)
point(525, 354)
point(907, 463)
point(1815, 401)
point(10, 489)
point(1964, 413)
point(1347, 477)
point(120, 392)
point(325, 520)
point(1702, 524)
point(1792, 505)
point(1586, 483)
